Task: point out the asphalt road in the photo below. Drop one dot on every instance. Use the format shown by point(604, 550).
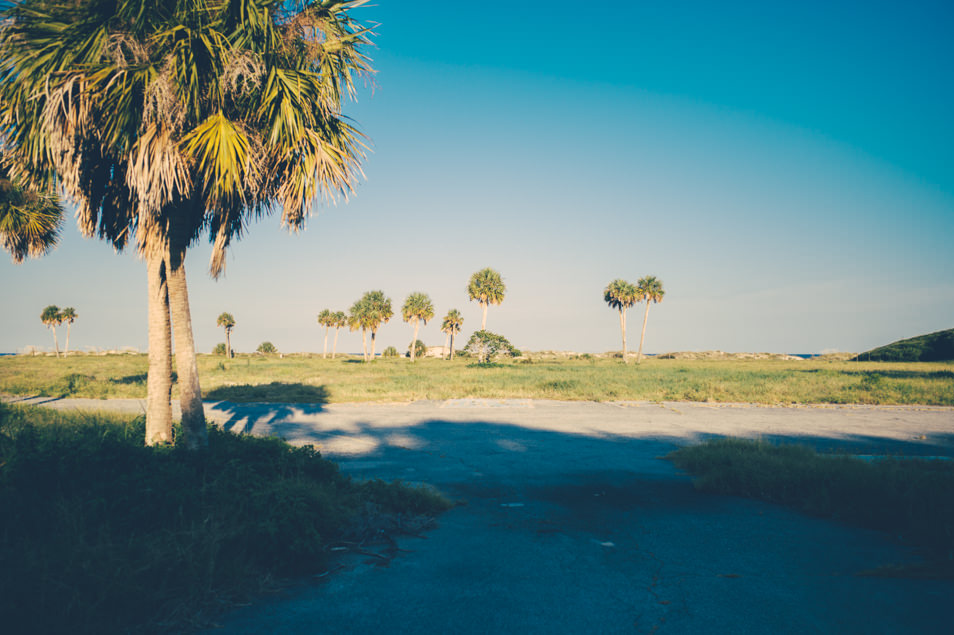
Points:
point(571, 523)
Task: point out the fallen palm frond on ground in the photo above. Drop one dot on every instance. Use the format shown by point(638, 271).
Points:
point(908, 497)
point(99, 534)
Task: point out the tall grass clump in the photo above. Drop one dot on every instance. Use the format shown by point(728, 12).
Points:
point(911, 498)
point(99, 534)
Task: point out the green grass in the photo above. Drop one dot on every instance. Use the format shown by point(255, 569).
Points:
point(310, 379)
point(932, 347)
point(99, 534)
point(910, 498)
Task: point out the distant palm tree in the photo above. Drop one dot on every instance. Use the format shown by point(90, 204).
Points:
point(417, 308)
point(338, 320)
point(355, 322)
point(376, 310)
point(325, 318)
point(68, 315)
point(227, 322)
point(451, 325)
point(487, 287)
point(648, 289)
point(51, 317)
point(621, 295)
point(29, 221)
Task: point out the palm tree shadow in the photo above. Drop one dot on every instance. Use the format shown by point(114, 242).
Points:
point(275, 392)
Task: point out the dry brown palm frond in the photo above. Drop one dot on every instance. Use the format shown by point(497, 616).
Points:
point(243, 72)
point(161, 102)
point(124, 50)
point(157, 171)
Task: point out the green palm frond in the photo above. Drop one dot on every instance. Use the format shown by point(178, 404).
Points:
point(453, 322)
point(417, 306)
point(620, 295)
point(487, 287)
point(650, 289)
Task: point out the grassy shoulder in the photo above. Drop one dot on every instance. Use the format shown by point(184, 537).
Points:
point(910, 498)
point(99, 534)
point(310, 379)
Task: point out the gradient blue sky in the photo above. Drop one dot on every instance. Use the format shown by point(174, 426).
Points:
point(786, 169)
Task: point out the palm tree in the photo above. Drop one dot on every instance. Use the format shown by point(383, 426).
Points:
point(417, 308)
point(30, 221)
point(69, 316)
point(621, 295)
point(163, 121)
point(338, 321)
point(227, 322)
point(648, 289)
point(487, 287)
point(51, 317)
point(355, 322)
point(376, 310)
point(325, 318)
point(451, 325)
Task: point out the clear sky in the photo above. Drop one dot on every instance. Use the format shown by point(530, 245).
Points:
point(786, 169)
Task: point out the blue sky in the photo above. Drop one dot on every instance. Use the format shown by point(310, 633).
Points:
point(786, 170)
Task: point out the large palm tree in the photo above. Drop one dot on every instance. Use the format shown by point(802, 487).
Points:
point(51, 318)
point(338, 320)
point(324, 319)
point(451, 325)
point(30, 221)
point(69, 316)
point(227, 322)
point(166, 121)
point(356, 320)
point(417, 308)
point(649, 289)
point(487, 287)
point(621, 295)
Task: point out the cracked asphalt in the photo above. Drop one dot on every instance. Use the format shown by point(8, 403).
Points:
point(571, 523)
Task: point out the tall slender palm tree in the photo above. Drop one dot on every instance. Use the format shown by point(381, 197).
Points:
point(69, 316)
point(325, 319)
point(451, 325)
point(417, 308)
point(165, 122)
point(52, 318)
point(376, 310)
point(487, 287)
point(357, 319)
point(30, 221)
point(338, 320)
point(648, 289)
point(226, 321)
point(621, 295)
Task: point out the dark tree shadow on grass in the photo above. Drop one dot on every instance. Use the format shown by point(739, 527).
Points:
point(275, 392)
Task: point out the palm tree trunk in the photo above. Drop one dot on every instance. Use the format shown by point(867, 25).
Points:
point(374, 335)
point(228, 343)
point(642, 335)
point(364, 343)
point(159, 382)
point(444, 352)
point(483, 322)
point(56, 344)
point(417, 325)
point(66, 353)
point(194, 430)
point(324, 353)
point(452, 344)
point(334, 349)
point(622, 328)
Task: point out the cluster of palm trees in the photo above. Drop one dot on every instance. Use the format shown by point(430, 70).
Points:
point(374, 309)
point(165, 123)
point(53, 316)
point(620, 295)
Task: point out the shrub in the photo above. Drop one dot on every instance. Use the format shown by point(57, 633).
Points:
point(419, 349)
point(390, 351)
point(485, 346)
point(219, 349)
point(266, 347)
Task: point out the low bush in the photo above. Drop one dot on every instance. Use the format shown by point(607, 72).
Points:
point(103, 535)
point(420, 348)
point(219, 349)
point(265, 348)
point(485, 346)
point(390, 351)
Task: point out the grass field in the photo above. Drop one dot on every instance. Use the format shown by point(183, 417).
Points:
point(310, 379)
